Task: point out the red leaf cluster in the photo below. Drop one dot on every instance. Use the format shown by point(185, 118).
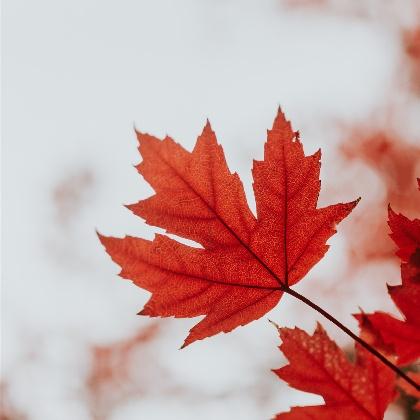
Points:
point(246, 262)
point(362, 390)
point(402, 337)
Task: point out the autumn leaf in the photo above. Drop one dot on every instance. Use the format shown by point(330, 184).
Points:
point(245, 262)
point(360, 390)
point(403, 336)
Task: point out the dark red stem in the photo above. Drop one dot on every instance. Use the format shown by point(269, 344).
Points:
point(362, 342)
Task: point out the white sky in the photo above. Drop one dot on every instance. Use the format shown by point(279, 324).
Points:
point(77, 75)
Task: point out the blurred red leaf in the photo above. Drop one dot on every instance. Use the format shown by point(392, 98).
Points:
point(411, 42)
point(112, 378)
point(395, 162)
point(70, 193)
point(239, 275)
point(8, 411)
point(402, 335)
point(111, 363)
point(361, 390)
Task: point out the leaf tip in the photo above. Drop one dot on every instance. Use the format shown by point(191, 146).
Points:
point(130, 207)
point(207, 127)
point(319, 328)
point(102, 238)
point(146, 312)
point(359, 314)
point(317, 155)
point(350, 206)
point(391, 212)
point(139, 134)
point(187, 342)
point(356, 202)
point(280, 119)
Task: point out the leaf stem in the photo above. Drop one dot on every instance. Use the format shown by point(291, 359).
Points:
point(362, 342)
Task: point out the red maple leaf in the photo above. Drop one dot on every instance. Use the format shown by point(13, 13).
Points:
point(360, 391)
point(246, 261)
point(402, 335)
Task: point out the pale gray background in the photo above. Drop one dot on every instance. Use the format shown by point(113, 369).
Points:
point(77, 75)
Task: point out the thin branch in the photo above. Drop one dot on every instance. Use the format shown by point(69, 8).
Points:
point(362, 342)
